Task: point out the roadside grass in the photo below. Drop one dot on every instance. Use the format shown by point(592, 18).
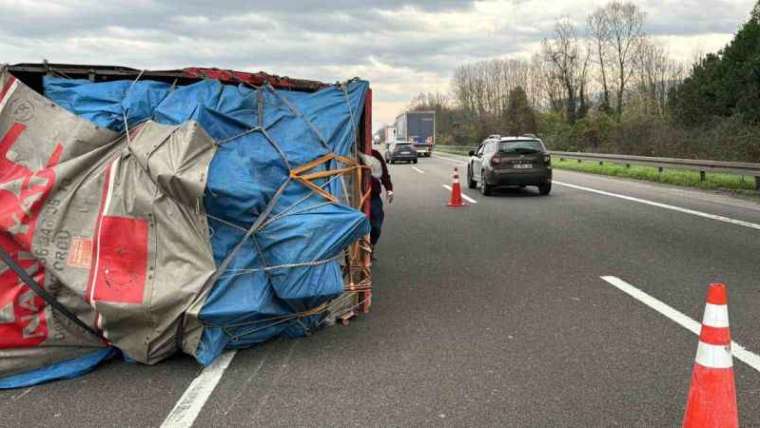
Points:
point(744, 185)
point(685, 178)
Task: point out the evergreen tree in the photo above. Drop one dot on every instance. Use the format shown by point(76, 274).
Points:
point(520, 117)
point(725, 84)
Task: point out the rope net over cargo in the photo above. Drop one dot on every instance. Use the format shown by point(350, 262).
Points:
point(329, 166)
point(308, 175)
point(227, 214)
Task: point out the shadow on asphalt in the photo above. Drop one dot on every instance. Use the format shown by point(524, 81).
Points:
point(516, 192)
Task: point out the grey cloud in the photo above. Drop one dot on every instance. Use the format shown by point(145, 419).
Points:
point(316, 39)
point(316, 15)
point(317, 6)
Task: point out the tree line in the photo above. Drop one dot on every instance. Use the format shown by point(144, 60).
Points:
point(605, 85)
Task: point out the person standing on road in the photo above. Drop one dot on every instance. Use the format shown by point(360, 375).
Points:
point(380, 178)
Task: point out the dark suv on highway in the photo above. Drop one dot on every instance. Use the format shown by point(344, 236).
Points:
point(510, 161)
point(401, 151)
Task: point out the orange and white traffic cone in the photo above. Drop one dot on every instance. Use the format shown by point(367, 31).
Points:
point(456, 192)
point(712, 395)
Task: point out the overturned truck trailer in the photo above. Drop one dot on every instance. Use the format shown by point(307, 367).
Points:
point(148, 212)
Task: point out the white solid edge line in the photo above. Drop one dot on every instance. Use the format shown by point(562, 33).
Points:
point(418, 170)
point(740, 352)
point(191, 403)
point(665, 206)
point(465, 197)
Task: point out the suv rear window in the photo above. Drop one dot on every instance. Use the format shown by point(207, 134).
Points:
point(521, 146)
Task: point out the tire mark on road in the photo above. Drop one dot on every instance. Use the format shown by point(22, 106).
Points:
point(275, 381)
point(242, 388)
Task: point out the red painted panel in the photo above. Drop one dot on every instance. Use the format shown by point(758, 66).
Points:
point(22, 312)
point(23, 322)
point(122, 260)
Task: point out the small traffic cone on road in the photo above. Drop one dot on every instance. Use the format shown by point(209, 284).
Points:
point(712, 395)
point(456, 192)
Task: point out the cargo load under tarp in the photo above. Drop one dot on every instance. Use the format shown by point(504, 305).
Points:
point(164, 217)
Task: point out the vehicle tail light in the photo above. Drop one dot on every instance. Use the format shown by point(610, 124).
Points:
point(547, 159)
point(495, 161)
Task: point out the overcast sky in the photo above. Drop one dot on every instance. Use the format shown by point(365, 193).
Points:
point(402, 47)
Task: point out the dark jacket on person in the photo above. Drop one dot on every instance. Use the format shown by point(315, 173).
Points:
point(384, 180)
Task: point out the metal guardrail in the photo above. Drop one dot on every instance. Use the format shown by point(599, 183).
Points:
point(703, 166)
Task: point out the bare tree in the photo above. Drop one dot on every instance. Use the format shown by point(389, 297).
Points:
point(429, 101)
point(599, 35)
point(465, 88)
point(484, 87)
point(656, 74)
point(482, 93)
point(566, 55)
point(625, 21)
point(583, 79)
point(547, 88)
point(535, 86)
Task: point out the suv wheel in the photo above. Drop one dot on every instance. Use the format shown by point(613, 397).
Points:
point(545, 188)
point(470, 179)
point(485, 188)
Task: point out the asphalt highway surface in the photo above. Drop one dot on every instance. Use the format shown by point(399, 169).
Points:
point(503, 313)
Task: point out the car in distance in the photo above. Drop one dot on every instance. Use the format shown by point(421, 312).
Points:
point(401, 151)
point(510, 161)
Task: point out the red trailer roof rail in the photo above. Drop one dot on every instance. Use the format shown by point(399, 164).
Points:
point(31, 74)
point(254, 79)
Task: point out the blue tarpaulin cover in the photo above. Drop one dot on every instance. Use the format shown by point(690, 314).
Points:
point(271, 285)
point(244, 176)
